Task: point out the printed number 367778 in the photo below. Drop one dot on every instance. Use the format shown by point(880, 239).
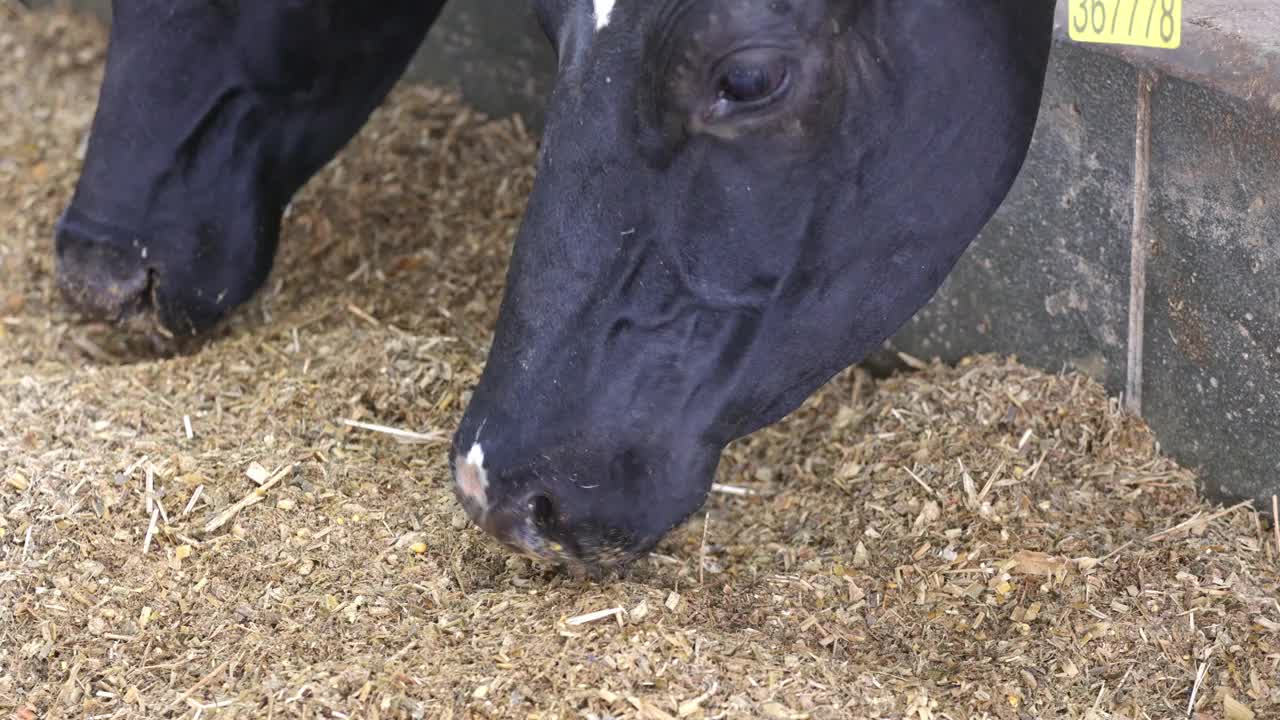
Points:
point(1150, 23)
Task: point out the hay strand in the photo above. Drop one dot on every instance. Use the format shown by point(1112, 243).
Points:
point(399, 434)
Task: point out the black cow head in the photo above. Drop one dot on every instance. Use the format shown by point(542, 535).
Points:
point(212, 114)
point(736, 199)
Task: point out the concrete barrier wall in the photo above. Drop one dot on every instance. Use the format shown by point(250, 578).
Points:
point(1178, 312)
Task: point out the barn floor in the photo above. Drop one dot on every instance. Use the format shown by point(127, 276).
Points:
point(983, 541)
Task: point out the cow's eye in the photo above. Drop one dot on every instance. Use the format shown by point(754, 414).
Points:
point(749, 83)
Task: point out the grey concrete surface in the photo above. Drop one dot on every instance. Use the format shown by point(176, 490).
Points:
point(1050, 277)
point(1232, 46)
point(1213, 328)
point(494, 52)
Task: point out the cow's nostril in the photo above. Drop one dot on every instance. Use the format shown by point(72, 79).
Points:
point(542, 511)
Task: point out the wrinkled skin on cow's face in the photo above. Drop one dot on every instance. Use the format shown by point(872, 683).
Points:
point(735, 200)
point(212, 114)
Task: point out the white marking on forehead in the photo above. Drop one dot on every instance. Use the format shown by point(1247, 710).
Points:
point(603, 9)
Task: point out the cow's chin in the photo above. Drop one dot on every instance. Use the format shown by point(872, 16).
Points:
point(595, 563)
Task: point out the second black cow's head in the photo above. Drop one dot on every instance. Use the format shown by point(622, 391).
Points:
point(735, 200)
point(212, 114)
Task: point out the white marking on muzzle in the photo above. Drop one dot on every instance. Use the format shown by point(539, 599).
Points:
point(603, 9)
point(472, 479)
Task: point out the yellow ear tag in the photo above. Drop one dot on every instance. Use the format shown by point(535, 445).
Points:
point(1144, 23)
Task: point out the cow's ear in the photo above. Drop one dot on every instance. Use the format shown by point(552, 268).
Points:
point(550, 15)
point(567, 25)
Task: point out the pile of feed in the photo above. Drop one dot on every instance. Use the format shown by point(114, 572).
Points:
point(210, 535)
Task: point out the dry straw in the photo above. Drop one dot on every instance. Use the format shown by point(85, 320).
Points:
point(976, 541)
